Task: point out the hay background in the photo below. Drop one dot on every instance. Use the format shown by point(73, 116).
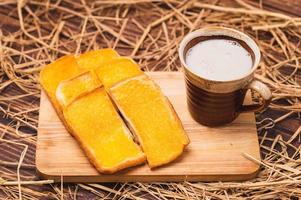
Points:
point(34, 33)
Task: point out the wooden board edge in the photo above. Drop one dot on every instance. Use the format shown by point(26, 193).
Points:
point(152, 178)
point(157, 178)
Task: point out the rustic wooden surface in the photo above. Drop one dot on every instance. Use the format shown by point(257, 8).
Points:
point(214, 154)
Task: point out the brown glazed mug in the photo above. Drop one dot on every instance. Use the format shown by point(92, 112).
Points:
point(212, 102)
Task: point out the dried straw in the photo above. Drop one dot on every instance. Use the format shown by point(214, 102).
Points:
point(34, 33)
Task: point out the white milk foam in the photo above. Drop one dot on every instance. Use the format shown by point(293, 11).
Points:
point(219, 59)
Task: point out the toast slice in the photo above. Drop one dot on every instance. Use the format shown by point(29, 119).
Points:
point(70, 66)
point(52, 74)
point(68, 90)
point(117, 70)
point(96, 58)
point(152, 119)
point(99, 129)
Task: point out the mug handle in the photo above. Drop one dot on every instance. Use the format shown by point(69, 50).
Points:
point(264, 92)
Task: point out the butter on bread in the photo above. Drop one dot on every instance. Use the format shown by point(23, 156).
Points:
point(68, 90)
point(52, 74)
point(101, 132)
point(70, 66)
point(117, 70)
point(88, 90)
point(91, 60)
point(88, 113)
point(151, 117)
point(96, 125)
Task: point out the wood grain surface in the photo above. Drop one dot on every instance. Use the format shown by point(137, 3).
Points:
point(213, 154)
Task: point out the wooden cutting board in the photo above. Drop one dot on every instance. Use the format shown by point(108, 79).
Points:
point(214, 154)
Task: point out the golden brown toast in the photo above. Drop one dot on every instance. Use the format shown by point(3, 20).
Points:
point(52, 74)
point(78, 88)
point(152, 119)
point(70, 66)
point(68, 90)
point(88, 113)
point(99, 129)
point(96, 58)
point(117, 70)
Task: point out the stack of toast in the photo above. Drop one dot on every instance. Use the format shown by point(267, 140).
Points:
point(118, 115)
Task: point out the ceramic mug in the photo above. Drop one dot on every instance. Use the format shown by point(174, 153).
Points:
point(212, 102)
